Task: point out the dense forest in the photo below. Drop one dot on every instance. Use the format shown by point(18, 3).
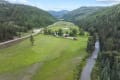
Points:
point(105, 22)
point(16, 18)
point(80, 13)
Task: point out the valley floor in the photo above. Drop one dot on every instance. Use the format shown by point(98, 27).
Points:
point(50, 58)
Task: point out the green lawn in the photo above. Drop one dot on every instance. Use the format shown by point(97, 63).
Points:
point(59, 56)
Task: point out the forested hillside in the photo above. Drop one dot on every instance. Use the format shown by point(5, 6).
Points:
point(106, 23)
point(21, 18)
point(80, 13)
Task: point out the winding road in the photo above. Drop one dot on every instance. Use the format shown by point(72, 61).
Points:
point(86, 73)
point(36, 31)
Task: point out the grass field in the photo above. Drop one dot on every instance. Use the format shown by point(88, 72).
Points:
point(51, 58)
point(65, 26)
point(59, 57)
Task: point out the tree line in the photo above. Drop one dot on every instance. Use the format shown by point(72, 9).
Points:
point(60, 32)
point(106, 23)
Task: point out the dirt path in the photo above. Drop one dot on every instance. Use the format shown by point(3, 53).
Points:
point(86, 73)
point(36, 31)
point(30, 72)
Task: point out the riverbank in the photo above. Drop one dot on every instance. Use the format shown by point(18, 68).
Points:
point(86, 73)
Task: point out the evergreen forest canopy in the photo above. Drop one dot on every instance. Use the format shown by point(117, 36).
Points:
point(16, 18)
point(80, 13)
point(106, 22)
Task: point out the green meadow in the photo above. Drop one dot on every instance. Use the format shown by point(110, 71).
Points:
point(50, 58)
point(59, 57)
point(65, 26)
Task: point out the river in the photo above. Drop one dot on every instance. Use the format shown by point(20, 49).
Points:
point(87, 70)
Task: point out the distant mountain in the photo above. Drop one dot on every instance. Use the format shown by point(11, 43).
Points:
point(80, 13)
point(58, 14)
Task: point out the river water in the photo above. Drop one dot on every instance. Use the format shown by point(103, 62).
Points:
point(87, 70)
